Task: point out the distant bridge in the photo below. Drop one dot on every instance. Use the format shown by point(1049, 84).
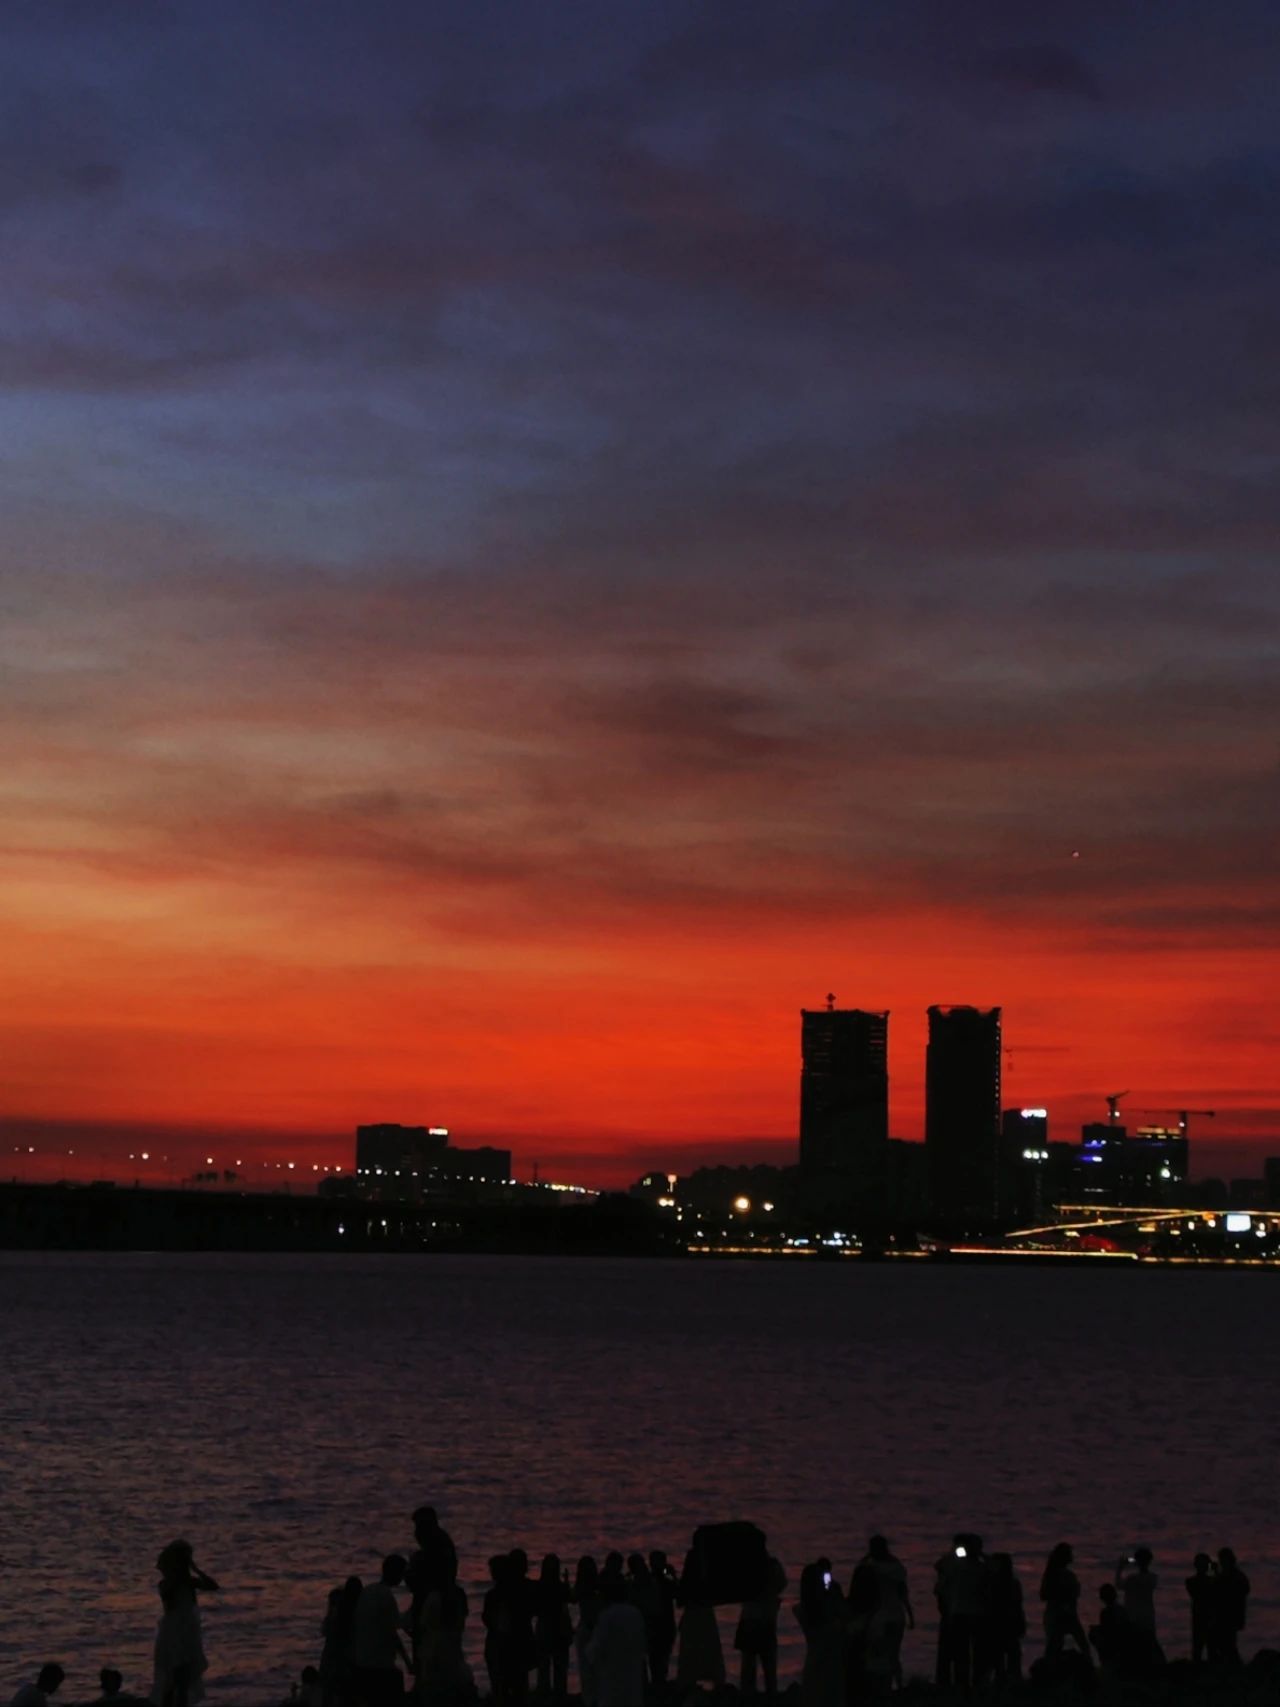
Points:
point(1090, 1217)
point(1075, 1220)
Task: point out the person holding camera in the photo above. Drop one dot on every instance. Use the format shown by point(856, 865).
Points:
point(821, 1615)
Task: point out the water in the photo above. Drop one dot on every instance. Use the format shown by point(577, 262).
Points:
point(287, 1413)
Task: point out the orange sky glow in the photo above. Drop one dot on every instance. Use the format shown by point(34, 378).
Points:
point(265, 998)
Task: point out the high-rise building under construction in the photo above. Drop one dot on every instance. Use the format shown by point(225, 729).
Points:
point(962, 1114)
point(844, 1093)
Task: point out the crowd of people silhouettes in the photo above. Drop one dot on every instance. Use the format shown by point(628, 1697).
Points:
point(637, 1631)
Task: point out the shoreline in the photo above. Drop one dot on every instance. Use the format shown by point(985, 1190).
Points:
point(105, 1219)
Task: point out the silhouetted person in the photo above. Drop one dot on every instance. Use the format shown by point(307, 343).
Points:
point(494, 1616)
point(890, 1614)
point(860, 1604)
point(434, 1561)
point(337, 1654)
point(963, 1608)
point(112, 1692)
point(1127, 1649)
point(309, 1692)
point(376, 1643)
point(48, 1681)
point(508, 1620)
point(1229, 1609)
point(756, 1637)
point(1109, 1634)
point(644, 1595)
point(821, 1615)
point(662, 1628)
point(552, 1629)
point(443, 1677)
point(523, 1656)
point(1007, 1618)
point(588, 1600)
point(699, 1657)
point(1202, 1589)
point(179, 1658)
point(1060, 1592)
point(619, 1647)
point(641, 1590)
point(611, 1572)
point(1137, 1583)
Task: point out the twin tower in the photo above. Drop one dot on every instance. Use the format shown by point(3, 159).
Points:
point(844, 1105)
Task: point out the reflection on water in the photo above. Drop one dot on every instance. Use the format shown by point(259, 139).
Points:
point(287, 1414)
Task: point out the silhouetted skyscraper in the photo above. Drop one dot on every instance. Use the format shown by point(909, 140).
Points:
point(962, 1112)
point(1024, 1163)
point(392, 1151)
point(844, 1092)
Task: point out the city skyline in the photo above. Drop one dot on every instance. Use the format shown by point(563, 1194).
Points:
point(170, 1150)
point(538, 541)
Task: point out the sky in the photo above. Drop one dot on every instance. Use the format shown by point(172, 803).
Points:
point(538, 540)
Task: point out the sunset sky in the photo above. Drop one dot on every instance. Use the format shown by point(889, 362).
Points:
point(539, 539)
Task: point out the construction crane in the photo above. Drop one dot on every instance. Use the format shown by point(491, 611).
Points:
point(1113, 1107)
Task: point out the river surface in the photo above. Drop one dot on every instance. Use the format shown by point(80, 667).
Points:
point(287, 1413)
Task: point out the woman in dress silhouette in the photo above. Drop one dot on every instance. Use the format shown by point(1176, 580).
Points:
point(180, 1661)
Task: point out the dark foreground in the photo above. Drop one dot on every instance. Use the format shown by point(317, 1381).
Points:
point(1256, 1684)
